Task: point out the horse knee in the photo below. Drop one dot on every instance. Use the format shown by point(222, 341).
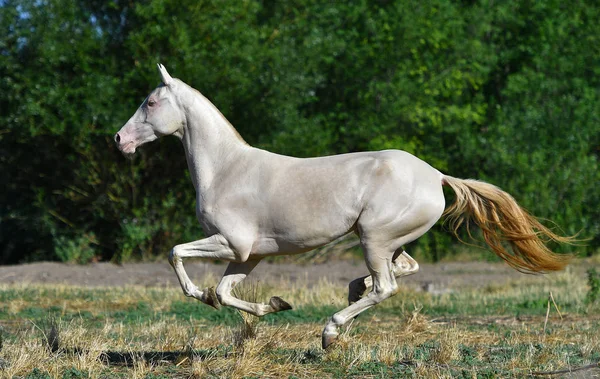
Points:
point(175, 255)
point(189, 289)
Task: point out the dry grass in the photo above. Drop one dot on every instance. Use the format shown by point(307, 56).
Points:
point(414, 334)
point(276, 351)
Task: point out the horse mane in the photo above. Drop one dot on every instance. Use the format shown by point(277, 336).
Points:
point(233, 129)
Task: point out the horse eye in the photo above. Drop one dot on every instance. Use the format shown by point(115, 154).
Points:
point(151, 103)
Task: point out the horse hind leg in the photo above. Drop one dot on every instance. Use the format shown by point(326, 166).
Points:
point(384, 286)
point(234, 274)
point(381, 266)
point(403, 265)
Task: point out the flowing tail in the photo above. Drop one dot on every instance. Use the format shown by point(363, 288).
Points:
point(503, 221)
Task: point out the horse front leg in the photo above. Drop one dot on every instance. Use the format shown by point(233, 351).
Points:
point(214, 247)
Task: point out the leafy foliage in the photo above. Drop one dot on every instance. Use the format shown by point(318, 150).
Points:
point(507, 92)
point(594, 284)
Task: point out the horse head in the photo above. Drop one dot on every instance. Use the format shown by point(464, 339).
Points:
point(160, 114)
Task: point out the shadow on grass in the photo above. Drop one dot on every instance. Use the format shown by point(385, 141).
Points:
point(127, 358)
point(50, 328)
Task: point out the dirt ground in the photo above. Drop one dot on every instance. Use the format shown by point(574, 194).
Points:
point(436, 278)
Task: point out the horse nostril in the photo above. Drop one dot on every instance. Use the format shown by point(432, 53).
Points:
point(117, 138)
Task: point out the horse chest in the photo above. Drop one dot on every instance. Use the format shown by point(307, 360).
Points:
point(215, 213)
point(206, 215)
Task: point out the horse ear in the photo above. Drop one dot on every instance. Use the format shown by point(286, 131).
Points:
point(164, 75)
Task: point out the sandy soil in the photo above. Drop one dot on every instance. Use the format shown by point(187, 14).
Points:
point(432, 277)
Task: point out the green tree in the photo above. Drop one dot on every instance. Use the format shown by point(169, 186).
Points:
point(541, 139)
point(507, 92)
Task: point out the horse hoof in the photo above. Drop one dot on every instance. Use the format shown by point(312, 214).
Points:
point(210, 298)
point(278, 304)
point(327, 340)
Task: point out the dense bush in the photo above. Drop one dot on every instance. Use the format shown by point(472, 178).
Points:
point(507, 92)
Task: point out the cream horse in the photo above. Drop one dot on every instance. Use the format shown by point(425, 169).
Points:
point(253, 204)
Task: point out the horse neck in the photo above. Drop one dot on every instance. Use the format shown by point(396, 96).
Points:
point(211, 143)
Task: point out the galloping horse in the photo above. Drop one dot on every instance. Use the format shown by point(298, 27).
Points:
point(253, 204)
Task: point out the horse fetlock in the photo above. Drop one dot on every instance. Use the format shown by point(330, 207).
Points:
point(262, 309)
point(338, 320)
point(190, 290)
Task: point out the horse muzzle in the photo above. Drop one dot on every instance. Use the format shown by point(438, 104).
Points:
point(124, 144)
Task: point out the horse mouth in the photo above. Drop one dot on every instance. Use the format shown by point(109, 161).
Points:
point(128, 148)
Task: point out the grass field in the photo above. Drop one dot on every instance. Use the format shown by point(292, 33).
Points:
point(496, 331)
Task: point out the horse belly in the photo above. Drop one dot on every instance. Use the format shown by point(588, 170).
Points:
point(283, 245)
point(300, 229)
point(272, 246)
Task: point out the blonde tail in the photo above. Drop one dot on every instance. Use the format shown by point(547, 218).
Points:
point(502, 220)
